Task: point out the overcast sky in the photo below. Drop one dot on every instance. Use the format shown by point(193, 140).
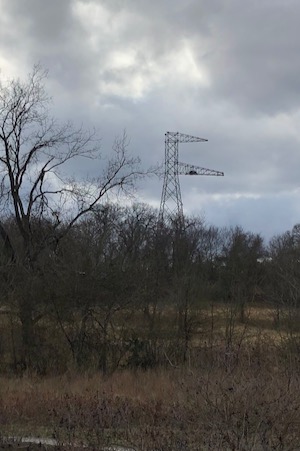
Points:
point(224, 70)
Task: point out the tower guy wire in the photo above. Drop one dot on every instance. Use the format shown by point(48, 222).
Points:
point(171, 206)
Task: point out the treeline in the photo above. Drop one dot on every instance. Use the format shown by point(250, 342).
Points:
point(120, 289)
point(88, 284)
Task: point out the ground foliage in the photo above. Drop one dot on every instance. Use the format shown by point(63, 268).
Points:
point(249, 406)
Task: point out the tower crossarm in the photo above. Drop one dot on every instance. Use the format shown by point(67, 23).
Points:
point(182, 138)
point(189, 169)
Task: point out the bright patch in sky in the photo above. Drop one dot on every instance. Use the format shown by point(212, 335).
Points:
point(131, 71)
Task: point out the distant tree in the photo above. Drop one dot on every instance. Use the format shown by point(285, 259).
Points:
point(209, 260)
point(241, 271)
point(284, 274)
point(42, 201)
point(184, 291)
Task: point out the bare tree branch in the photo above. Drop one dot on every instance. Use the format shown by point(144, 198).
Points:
point(34, 149)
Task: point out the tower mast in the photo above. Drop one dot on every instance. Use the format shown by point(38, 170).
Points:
point(171, 206)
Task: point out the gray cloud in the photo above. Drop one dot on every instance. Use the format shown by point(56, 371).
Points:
point(227, 71)
point(254, 61)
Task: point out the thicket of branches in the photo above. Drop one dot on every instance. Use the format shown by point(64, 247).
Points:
point(88, 282)
point(119, 289)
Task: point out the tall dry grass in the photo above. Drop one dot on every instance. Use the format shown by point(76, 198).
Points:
point(239, 389)
point(246, 400)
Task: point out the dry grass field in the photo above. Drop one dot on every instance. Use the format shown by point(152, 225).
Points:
point(238, 390)
point(248, 408)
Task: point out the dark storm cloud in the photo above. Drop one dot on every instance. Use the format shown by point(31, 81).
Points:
point(224, 70)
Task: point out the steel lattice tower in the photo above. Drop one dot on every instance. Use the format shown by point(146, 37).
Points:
point(171, 206)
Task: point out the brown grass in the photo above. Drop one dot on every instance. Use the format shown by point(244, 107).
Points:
point(247, 405)
point(238, 390)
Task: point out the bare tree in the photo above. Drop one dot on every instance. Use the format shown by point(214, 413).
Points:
point(284, 274)
point(242, 273)
point(34, 152)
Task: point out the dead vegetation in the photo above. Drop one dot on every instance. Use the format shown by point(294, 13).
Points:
point(246, 397)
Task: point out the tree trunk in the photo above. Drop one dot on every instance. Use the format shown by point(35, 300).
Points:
point(28, 336)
